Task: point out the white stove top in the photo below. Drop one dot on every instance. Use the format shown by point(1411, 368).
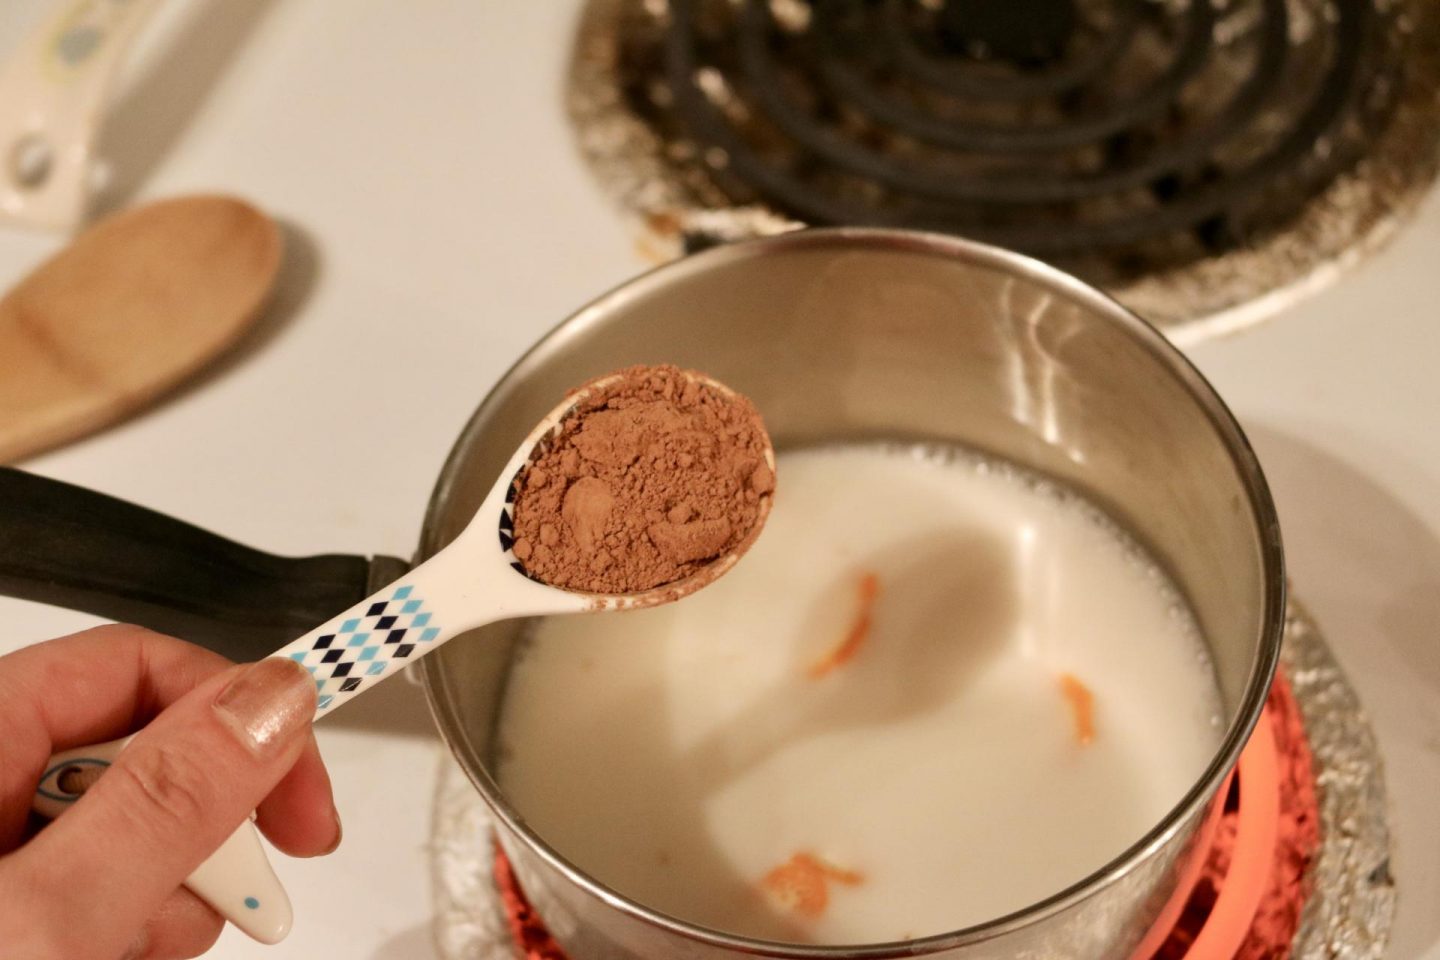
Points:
point(441, 220)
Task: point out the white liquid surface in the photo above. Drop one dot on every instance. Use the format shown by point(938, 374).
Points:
point(680, 754)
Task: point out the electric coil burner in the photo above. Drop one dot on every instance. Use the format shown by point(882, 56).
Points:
point(1201, 160)
point(1298, 861)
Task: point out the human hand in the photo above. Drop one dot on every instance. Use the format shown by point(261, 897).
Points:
point(219, 740)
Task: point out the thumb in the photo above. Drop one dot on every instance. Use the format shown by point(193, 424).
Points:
point(174, 794)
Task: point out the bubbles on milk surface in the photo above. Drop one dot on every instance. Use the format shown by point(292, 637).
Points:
point(938, 689)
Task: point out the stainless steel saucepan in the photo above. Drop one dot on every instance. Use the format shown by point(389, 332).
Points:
point(839, 334)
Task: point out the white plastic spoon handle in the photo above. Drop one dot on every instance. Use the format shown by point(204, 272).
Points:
point(239, 883)
point(382, 633)
point(466, 585)
point(236, 880)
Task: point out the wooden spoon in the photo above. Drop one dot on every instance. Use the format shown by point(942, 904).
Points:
point(127, 311)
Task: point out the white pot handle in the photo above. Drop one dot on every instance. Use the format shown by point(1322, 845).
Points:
point(52, 94)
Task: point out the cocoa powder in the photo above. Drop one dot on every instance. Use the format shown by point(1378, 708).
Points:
point(648, 480)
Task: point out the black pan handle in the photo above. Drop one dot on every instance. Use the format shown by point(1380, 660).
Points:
point(71, 547)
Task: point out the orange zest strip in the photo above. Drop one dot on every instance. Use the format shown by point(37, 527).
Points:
point(1082, 706)
point(868, 590)
point(801, 884)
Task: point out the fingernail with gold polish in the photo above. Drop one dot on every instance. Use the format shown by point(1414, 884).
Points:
point(267, 704)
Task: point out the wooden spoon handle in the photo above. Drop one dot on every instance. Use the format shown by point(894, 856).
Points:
point(72, 547)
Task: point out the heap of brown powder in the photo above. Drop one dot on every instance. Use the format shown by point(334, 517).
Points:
point(650, 479)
